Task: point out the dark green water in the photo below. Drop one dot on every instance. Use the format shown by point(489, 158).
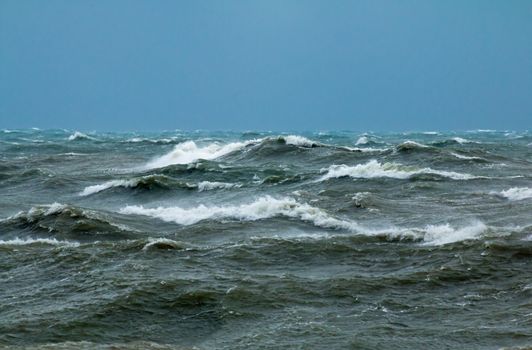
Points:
point(265, 241)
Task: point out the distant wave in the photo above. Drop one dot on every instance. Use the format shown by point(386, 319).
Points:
point(154, 141)
point(517, 193)
point(79, 136)
point(188, 152)
point(362, 140)
point(410, 146)
point(162, 243)
point(299, 141)
point(374, 169)
point(208, 185)
point(32, 241)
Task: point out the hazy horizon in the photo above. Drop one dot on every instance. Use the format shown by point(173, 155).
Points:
point(276, 65)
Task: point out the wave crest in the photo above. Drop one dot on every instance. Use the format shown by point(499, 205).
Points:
point(517, 193)
point(374, 169)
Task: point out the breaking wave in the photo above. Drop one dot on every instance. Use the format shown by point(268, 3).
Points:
point(32, 241)
point(156, 181)
point(269, 207)
point(262, 208)
point(79, 136)
point(517, 193)
point(188, 152)
point(374, 169)
point(64, 218)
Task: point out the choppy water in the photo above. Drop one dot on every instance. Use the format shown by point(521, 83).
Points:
point(261, 240)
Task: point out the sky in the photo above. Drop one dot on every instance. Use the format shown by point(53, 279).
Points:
point(122, 65)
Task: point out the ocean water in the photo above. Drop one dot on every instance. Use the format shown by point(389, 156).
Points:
point(214, 240)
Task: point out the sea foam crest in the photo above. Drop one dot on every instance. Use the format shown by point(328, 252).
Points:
point(445, 234)
point(109, 184)
point(188, 152)
point(262, 208)
point(296, 140)
point(374, 169)
point(517, 193)
point(268, 207)
point(79, 136)
point(362, 140)
point(27, 241)
point(208, 185)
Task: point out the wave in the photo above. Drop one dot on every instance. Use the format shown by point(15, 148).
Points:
point(460, 156)
point(269, 207)
point(64, 218)
point(408, 146)
point(262, 208)
point(79, 136)
point(299, 141)
point(374, 169)
point(517, 193)
point(445, 234)
point(33, 241)
point(362, 140)
point(154, 141)
point(208, 185)
point(188, 152)
point(162, 243)
point(155, 181)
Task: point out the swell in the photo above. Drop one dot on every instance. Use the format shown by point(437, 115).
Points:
point(65, 220)
point(268, 207)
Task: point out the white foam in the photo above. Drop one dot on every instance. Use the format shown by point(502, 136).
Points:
point(299, 141)
point(79, 136)
point(364, 149)
point(362, 140)
point(411, 144)
point(27, 241)
point(143, 139)
point(109, 184)
point(517, 193)
point(188, 152)
point(461, 140)
point(374, 169)
point(445, 234)
point(208, 185)
point(268, 207)
point(459, 156)
point(262, 208)
point(430, 133)
point(161, 241)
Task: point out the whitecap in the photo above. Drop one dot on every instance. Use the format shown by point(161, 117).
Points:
point(262, 208)
point(163, 243)
point(27, 241)
point(445, 234)
point(188, 152)
point(362, 140)
point(79, 136)
point(208, 185)
point(460, 156)
point(517, 193)
point(296, 140)
point(106, 185)
point(374, 169)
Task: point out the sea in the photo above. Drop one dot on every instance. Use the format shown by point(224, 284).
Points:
point(265, 240)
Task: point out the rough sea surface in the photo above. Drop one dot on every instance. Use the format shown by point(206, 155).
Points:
point(331, 240)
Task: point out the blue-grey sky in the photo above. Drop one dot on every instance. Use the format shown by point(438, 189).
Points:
point(266, 65)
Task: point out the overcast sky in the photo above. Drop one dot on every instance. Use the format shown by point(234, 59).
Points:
point(266, 65)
